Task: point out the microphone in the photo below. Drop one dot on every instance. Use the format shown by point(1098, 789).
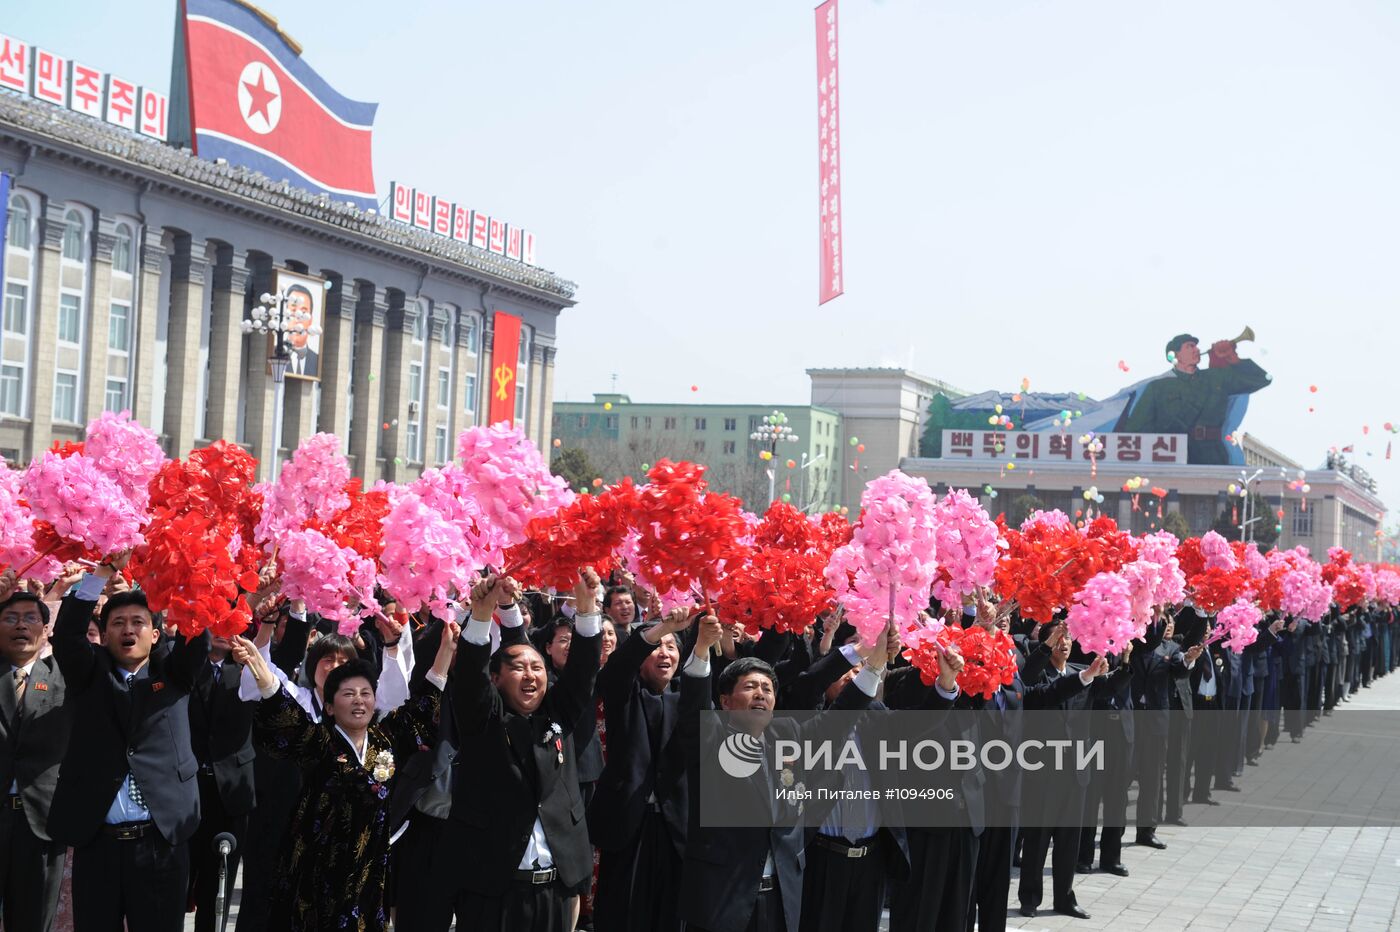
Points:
point(224, 844)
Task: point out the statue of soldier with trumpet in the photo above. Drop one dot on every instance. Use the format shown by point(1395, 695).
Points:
point(1194, 401)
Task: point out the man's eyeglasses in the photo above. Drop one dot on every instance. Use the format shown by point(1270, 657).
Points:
point(16, 620)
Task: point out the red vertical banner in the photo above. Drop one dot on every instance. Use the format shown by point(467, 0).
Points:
point(829, 142)
point(505, 357)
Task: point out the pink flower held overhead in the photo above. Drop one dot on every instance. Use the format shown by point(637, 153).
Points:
point(510, 483)
point(328, 578)
point(310, 485)
point(1100, 621)
point(82, 503)
point(127, 452)
point(1236, 624)
point(967, 546)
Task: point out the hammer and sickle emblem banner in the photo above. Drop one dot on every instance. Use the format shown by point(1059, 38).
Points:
point(505, 356)
point(505, 375)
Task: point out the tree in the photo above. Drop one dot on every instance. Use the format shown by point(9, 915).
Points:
point(1021, 507)
point(573, 466)
point(1176, 523)
point(1262, 515)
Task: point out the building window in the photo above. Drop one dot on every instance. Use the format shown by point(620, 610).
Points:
point(415, 382)
point(73, 229)
point(731, 423)
point(753, 423)
point(65, 397)
point(473, 335)
point(69, 318)
point(668, 424)
point(441, 444)
point(522, 375)
point(699, 446)
point(119, 328)
point(635, 419)
point(444, 388)
point(699, 423)
point(610, 422)
point(1302, 519)
point(420, 325)
point(729, 447)
point(121, 249)
point(411, 435)
point(17, 231)
point(471, 393)
point(11, 389)
point(646, 423)
point(447, 331)
point(16, 305)
point(115, 400)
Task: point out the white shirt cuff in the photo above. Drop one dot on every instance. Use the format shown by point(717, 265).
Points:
point(90, 589)
point(299, 616)
point(267, 692)
point(867, 681)
point(1085, 678)
point(586, 626)
point(510, 617)
point(849, 652)
point(437, 679)
point(950, 696)
point(697, 666)
point(477, 632)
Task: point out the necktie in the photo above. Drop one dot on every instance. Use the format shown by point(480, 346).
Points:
point(21, 678)
point(134, 788)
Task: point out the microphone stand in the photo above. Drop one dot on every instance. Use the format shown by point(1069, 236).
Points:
point(224, 844)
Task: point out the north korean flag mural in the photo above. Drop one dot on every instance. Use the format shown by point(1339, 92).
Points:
point(251, 99)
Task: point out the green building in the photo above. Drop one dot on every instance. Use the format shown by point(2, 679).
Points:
point(623, 438)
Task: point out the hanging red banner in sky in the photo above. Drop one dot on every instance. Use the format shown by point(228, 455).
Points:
point(505, 357)
point(828, 138)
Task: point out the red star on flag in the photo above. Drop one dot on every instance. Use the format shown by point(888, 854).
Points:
point(261, 96)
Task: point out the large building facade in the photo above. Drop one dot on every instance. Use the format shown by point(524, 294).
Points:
point(130, 266)
point(621, 437)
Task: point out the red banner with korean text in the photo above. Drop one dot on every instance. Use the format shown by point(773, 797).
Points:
point(505, 357)
point(828, 139)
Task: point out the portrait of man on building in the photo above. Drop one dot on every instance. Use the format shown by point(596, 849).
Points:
point(302, 310)
point(1205, 404)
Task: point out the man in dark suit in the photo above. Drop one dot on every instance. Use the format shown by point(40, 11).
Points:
point(747, 879)
point(35, 720)
point(516, 805)
point(221, 727)
point(127, 800)
point(1157, 667)
point(1207, 689)
point(637, 817)
point(1056, 803)
point(1110, 700)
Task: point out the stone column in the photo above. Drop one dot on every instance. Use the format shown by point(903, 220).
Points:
point(258, 413)
point(226, 343)
point(535, 402)
point(371, 312)
point(465, 364)
point(399, 350)
point(430, 417)
point(143, 331)
point(188, 270)
point(45, 346)
point(94, 393)
point(338, 323)
point(547, 402)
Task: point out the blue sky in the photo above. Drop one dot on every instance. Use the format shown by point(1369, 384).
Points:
point(1031, 189)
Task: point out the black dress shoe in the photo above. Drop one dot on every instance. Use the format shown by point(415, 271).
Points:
point(1229, 788)
point(1028, 911)
point(1073, 910)
point(1297, 739)
point(1082, 868)
point(1116, 869)
point(1252, 762)
point(1152, 841)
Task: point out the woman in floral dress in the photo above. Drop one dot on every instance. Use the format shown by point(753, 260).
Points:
point(331, 873)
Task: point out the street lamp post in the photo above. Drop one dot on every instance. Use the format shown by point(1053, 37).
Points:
point(802, 487)
point(1245, 520)
point(773, 431)
point(270, 317)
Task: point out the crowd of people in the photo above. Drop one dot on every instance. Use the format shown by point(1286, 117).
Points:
point(530, 761)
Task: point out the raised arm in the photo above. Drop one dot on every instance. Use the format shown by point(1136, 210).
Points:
point(76, 657)
point(572, 696)
point(414, 723)
point(281, 727)
point(474, 699)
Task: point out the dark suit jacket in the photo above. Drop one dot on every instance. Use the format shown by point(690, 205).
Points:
point(634, 770)
point(144, 731)
point(1155, 674)
point(31, 749)
point(510, 775)
point(723, 866)
point(221, 729)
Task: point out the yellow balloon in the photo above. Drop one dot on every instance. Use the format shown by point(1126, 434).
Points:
point(607, 406)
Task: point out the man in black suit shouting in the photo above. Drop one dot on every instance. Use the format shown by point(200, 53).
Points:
point(638, 814)
point(516, 803)
point(127, 801)
point(35, 719)
point(747, 879)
